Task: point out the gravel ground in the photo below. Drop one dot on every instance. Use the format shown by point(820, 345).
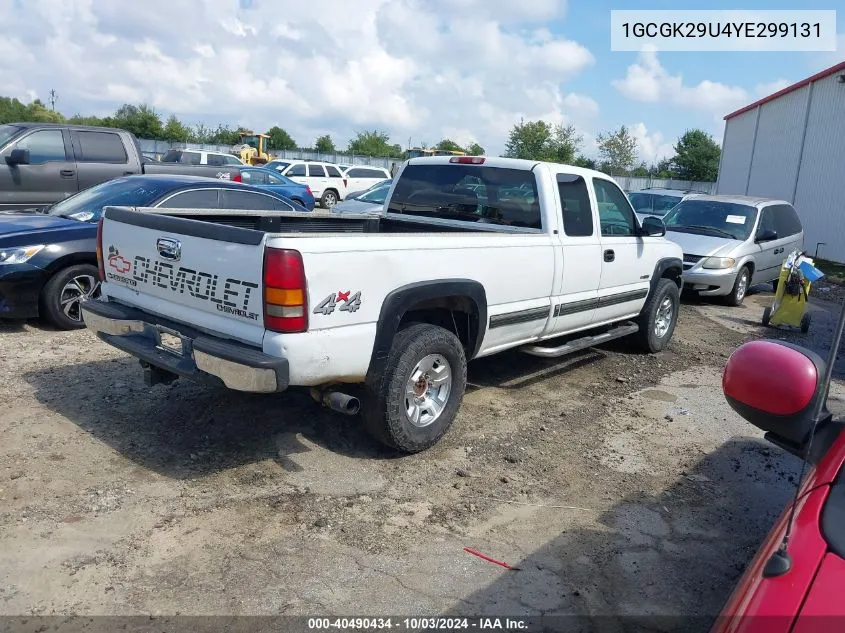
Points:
point(617, 483)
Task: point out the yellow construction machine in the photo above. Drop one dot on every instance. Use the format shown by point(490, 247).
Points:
point(253, 149)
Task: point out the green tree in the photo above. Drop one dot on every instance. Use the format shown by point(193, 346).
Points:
point(641, 170)
point(618, 149)
point(325, 145)
point(280, 139)
point(475, 150)
point(374, 143)
point(697, 157)
point(449, 145)
point(142, 120)
point(174, 130)
point(663, 169)
point(539, 140)
point(40, 113)
point(583, 161)
point(12, 110)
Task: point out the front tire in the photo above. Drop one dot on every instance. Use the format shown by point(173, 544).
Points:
point(740, 289)
point(329, 199)
point(767, 315)
point(659, 316)
point(805, 322)
point(62, 296)
point(412, 404)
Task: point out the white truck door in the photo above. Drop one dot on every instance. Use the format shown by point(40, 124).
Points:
point(576, 295)
point(626, 263)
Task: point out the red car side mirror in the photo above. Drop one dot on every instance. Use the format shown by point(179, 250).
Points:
point(776, 386)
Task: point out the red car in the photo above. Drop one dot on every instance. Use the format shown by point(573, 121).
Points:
point(796, 582)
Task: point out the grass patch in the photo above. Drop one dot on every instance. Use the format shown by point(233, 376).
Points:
point(830, 269)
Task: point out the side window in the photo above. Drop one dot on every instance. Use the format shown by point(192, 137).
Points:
point(197, 199)
point(334, 172)
point(192, 158)
point(767, 220)
point(100, 147)
point(296, 170)
point(44, 146)
point(316, 171)
point(254, 177)
point(233, 160)
point(216, 160)
point(575, 205)
point(615, 213)
point(356, 173)
point(786, 220)
point(373, 173)
point(233, 199)
point(272, 179)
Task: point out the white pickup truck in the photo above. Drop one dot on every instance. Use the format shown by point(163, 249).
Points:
point(472, 256)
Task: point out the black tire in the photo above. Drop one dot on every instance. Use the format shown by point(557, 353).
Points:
point(739, 290)
point(60, 297)
point(805, 322)
point(651, 338)
point(384, 404)
point(775, 285)
point(329, 199)
point(767, 315)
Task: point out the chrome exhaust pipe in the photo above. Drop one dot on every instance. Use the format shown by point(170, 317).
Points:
point(337, 401)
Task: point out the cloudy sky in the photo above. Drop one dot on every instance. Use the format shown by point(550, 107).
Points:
point(418, 69)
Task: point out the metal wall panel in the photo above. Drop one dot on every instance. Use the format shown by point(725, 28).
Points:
point(820, 194)
point(736, 153)
point(777, 150)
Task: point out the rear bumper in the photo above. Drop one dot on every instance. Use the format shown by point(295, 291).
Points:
point(204, 358)
point(20, 288)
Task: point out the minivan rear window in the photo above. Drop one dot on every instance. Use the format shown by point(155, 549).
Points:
point(468, 193)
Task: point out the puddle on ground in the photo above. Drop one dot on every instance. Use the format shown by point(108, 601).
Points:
point(658, 394)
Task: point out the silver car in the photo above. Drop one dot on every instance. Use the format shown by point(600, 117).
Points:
point(369, 201)
point(655, 201)
point(733, 242)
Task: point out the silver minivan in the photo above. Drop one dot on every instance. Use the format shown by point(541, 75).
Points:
point(733, 242)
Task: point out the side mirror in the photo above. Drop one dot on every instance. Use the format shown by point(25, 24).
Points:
point(653, 227)
point(776, 386)
point(766, 235)
point(18, 157)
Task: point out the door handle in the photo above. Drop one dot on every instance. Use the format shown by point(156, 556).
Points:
point(128, 173)
point(609, 255)
point(66, 173)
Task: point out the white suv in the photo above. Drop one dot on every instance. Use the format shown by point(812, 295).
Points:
point(201, 157)
point(361, 177)
point(325, 179)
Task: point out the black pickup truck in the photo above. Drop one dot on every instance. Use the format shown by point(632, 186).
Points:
point(44, 163)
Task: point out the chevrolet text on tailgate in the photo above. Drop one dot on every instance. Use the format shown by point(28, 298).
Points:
point(379, 313)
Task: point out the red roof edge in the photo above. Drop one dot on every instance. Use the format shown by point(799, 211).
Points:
point(788, 89)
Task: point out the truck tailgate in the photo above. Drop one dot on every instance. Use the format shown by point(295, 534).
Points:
point(203, 274)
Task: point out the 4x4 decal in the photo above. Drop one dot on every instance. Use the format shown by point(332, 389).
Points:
point(344, 301)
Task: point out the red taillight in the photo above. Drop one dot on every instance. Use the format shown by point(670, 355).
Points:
point(237, 177)
point(467, 160)
point(101, 267)
point(285, 292)
point(308, 189)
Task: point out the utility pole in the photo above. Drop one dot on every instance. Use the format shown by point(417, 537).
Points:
point(53, 98)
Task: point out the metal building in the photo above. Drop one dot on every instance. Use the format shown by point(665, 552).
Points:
point(791, 145)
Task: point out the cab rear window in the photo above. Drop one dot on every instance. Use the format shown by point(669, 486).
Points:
point(468, 193)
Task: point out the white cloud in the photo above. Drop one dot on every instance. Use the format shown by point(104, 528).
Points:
point(651, 146)
point(766, 89)
point(418, 68)
point(647, 80)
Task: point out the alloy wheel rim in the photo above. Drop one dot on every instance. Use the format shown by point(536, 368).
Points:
point(78, 289)
point(663, 321)
point(427, 390)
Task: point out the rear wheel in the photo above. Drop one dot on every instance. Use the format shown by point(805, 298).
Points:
point(412, 404)
point(659, 316)
point(329, 199)
point(62, 296)
point(767, 315)
point(738, 292)
point(805, 322)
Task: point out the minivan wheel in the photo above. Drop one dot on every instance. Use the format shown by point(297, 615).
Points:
point(63, 294)
point(740, 289)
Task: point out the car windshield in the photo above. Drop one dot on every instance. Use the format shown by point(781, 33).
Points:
point(377, 194)
point(661, 204)
point(712, 217)
point(276, 164)
point(7, 132)
point(469, 193)
point(87, 206)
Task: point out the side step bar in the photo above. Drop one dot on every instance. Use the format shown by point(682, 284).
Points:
point(584, 342)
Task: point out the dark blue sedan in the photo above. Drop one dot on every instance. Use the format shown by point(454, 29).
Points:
point(48, 261)
point(274, 181)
